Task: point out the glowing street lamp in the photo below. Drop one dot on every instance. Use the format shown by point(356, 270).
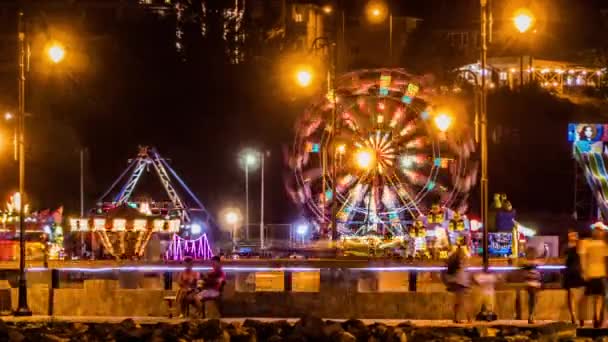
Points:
point(304, 77)
point(250, 160)
point(364, 159)
point(376, 11)
point(443, 122)
point(56, 52)
point(327, 9)
point(8, 116)
point(523, 20)
point(232, 217)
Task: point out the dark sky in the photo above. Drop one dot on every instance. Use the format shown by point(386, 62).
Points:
point(125, 85)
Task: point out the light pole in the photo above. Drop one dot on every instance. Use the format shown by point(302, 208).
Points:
point(22, 308)
point(376, 12)
point(232, 218)
point(485, 14)
point(523, 21)
point(56, 53)
point(304, 77)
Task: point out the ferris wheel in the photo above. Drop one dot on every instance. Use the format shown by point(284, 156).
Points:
point(387, 161)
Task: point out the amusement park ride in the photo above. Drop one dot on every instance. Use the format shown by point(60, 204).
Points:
point(125, 226)
point(399, 179)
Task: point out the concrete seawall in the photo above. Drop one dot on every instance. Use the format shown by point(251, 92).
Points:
point(329, 293)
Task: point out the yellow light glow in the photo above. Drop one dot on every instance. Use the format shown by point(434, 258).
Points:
point(99, 224)
point(327, 9)
point(232, 217)
point(119, 225)
point(304, 77)
point(8, 116)
point(341, 149)
point(56, 52)
point(174, 225)
point(364, 159)
point(139, 225)
point(376, 11)
point(523, 20)
point(157, 225)
point(443, 122)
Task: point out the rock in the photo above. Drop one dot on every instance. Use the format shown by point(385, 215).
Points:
point(210, 330)
point(357, 328)
point(15, 336)
point(378, 330)
point(128, 324)
point(54, 338)
point(309, 327)
point(332, 329)
point(397, 335)
point(79, 328)
point(517, 338)
point(281, 328)
point(274, 338)
point(346, 337)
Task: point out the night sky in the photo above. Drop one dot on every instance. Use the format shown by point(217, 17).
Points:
point(125, 85)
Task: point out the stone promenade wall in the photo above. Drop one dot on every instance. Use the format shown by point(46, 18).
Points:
point(341, 296)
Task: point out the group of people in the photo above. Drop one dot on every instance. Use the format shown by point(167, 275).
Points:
point(585, 269)
point(585, 278)
point(195, 290)
point(460, 282)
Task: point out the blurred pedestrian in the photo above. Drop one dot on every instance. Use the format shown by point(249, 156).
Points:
point(593, 253)
point(572, 277)
point(486, 281)
point(458, 281)
point(532, 278)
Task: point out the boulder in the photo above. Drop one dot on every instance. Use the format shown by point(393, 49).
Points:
point(309, 327)
point(357, 328)
point(346, 337)
point(332, 329)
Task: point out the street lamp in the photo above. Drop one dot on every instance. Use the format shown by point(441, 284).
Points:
point(8, 116)
point(232, 217)
point(250, 161)
point(56, 53)
point(523, 20)
point(443, 122)
point(304, 77)
point(376, 11)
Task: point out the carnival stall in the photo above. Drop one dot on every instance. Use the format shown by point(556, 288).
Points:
point(43, 232)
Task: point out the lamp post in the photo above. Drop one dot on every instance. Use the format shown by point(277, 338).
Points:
point(523, 21)
point(56, 54)
point(485, 14)
point(304, 77)
point(232, 218)
point(376, 12)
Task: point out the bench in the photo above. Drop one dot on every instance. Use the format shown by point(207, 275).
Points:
point(211, 306)
point(170, 300)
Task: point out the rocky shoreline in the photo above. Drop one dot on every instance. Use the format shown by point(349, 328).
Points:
point(305, 329)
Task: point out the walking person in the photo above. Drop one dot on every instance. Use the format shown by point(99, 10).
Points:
point(572, 278)
point(458, 281)
point(532, 278)
point(593, 253)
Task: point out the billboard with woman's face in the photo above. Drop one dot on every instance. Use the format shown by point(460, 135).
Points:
point(588, 137)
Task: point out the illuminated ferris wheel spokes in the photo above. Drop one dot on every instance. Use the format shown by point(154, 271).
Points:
point(391, 164)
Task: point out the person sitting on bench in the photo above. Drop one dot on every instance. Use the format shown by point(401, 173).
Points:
point(187, 287)
point(212, 282)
